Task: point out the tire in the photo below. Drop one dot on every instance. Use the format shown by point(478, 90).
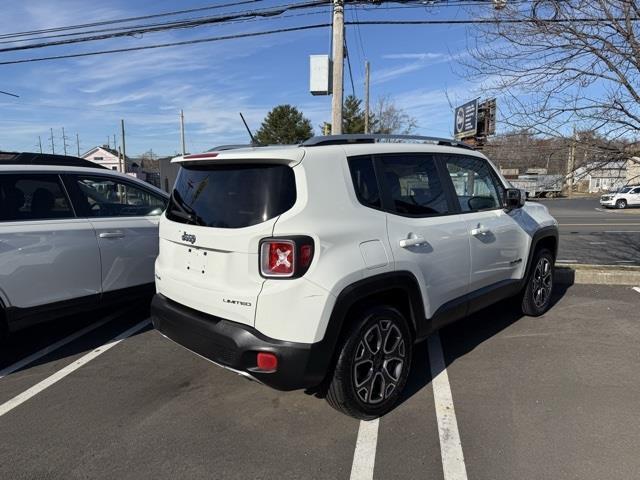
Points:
point(4, 329)
point(621, 204)
point(373, 364)
point(536, 297)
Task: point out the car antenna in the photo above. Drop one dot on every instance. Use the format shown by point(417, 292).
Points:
point(253, 140)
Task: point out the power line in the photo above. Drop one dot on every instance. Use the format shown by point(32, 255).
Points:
point(124, 20)
point(10, 94)
point(346, 50)
point(490, 21)
point(172, 44)
point(175, 25)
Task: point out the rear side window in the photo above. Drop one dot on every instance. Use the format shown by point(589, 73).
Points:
point(413, 183)
point(364, 181)
point(32, 197)
point(231, 196)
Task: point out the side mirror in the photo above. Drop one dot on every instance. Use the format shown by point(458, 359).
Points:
point(513, 198)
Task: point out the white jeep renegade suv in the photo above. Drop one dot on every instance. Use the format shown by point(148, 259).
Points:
point(319, 266)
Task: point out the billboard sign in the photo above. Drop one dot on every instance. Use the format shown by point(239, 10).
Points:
point(466, 120)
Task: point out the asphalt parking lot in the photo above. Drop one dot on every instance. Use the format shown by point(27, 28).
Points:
point(549, 397)
point(590, 234)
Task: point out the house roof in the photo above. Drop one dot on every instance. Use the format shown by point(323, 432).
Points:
point(112, 151)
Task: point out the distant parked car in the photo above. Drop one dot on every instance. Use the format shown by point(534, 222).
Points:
point(73, 238)
point(628, 196)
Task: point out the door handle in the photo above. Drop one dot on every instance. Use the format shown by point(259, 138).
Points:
point(412, 241)
point(480, 230)
point(111, 235)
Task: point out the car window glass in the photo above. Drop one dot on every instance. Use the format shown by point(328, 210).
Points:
point(32, 197)
point(364, 181)
point(637, 190)
point(414, 185)
point(105, 197)
point(474, 183)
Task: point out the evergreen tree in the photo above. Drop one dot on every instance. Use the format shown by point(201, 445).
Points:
point(284, 124)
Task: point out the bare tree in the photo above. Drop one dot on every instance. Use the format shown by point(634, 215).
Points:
point(387, 118)
point(556, 63)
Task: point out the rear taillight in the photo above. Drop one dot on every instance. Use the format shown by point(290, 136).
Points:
point(285, 257)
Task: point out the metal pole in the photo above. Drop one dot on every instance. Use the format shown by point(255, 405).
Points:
point(571, 163)
point(124, 149)
point(40, 143)
point(184, 150)
point(338, 66)
point(53, 147)
point(78, 143)
point(366, 96)
point(64, 142)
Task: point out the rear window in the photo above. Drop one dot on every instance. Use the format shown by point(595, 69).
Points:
point(231, 196)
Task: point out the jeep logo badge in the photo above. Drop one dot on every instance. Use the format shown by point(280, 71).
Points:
point(188, 238)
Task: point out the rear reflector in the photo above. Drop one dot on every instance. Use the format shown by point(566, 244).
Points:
point(267, 362)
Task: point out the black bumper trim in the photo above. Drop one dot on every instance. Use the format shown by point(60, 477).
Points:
point(233, 345)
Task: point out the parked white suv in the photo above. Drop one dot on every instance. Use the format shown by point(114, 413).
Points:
point(628, 196)
point(319, 266)
point(73, 238)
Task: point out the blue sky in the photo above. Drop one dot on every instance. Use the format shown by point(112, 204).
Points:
point(416, 65)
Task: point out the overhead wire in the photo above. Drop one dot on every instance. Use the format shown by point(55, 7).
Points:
point(124, 20)
point(270, 12)
point(170, 44)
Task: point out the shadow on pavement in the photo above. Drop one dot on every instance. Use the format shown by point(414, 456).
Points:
point(468, 333)
point(23, 343)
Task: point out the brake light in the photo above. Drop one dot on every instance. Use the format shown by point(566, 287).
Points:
point(278, 258)
point(285, 257)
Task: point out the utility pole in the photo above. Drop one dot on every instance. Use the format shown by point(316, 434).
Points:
point(338, 66)
point(53, 147)
point(571, 162)
point(64, 142)
point(40, 143)
point(366, 96)
point(184, 151)
point(124, 150)
point(109, 142)
point(115, 144)
point(78, 143)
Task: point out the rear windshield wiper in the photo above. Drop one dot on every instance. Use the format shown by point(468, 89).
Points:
point(185, 212)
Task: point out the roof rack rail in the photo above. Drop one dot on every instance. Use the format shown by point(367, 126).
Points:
point(31, 158)
point(373, 138)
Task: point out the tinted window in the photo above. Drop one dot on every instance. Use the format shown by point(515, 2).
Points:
point(32, 197)
point(231, 196)
point(105, 197)
point(474, 183)
point(636, 190)
point(364, 181)
point(414, 185)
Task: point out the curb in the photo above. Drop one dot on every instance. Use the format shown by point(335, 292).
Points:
point(573, 273)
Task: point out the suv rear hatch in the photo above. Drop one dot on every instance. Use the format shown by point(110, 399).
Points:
point(221, 207)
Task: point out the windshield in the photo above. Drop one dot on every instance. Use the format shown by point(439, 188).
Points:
point(231, 196)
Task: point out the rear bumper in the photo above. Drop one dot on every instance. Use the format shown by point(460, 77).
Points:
point(235, 346)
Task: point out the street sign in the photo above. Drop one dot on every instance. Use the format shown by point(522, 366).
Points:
point(466, 120)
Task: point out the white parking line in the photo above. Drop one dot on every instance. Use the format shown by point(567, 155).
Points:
point(566, 261)
point(54, 346)
point(364, 457)
point(453, 465)
point(60, 374)
point(637, 289)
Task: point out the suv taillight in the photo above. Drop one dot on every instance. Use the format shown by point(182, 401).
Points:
point(285, 257)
